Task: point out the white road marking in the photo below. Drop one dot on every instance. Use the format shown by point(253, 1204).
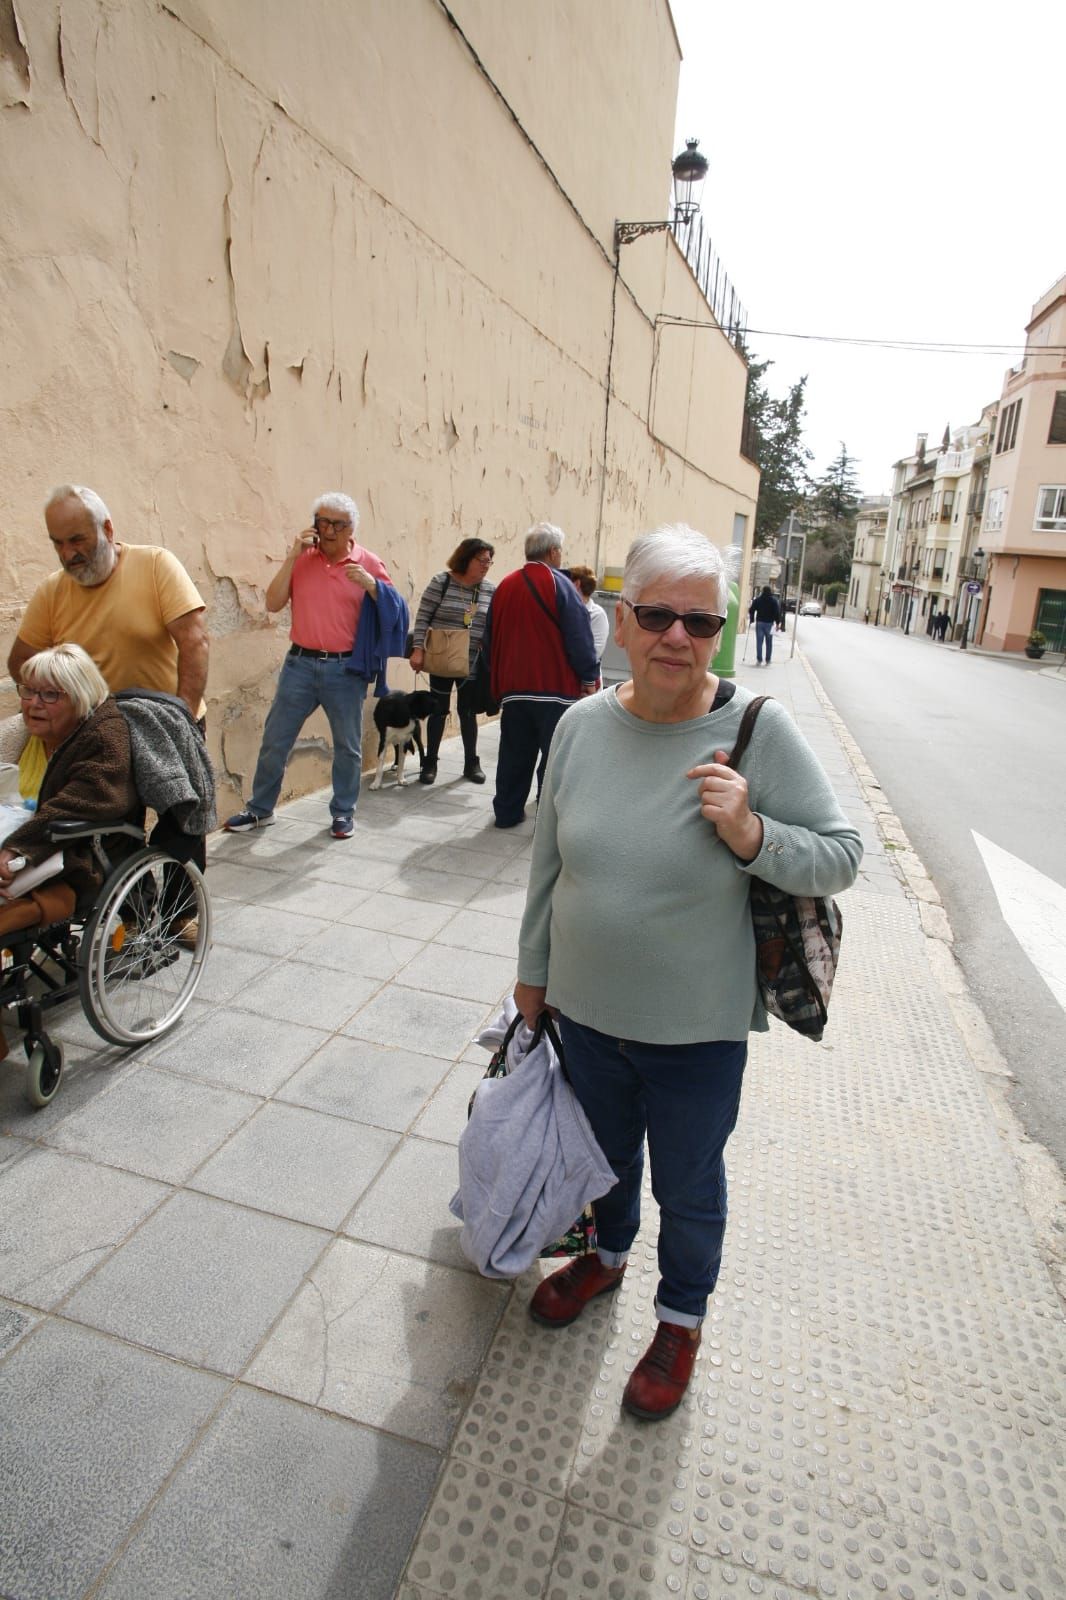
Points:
point(1034, 909)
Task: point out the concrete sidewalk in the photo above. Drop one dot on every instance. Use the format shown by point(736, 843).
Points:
point(241, 1354)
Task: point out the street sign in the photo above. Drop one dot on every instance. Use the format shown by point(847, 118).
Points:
point(973, 587)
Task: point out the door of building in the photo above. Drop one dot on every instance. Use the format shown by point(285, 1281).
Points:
point(1051, 617)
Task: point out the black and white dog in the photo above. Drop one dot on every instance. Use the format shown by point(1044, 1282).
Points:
point(396, 717)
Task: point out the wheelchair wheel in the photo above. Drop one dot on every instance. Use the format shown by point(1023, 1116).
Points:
point(44, 1072)
point(136, 972)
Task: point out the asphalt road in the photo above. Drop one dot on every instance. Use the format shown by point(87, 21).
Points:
point(965, 743)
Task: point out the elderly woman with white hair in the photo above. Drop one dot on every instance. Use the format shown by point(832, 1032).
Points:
point(89, 775)
point(637, 930)
point(327, 576)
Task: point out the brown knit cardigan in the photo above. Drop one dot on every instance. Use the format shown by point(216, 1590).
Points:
point(90, 777)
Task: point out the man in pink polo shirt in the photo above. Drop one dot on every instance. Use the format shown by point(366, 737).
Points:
point(327, 576)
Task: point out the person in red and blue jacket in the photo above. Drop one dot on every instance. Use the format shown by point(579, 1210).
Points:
point(539, 644)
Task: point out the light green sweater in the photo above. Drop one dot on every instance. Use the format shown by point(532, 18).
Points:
point(637, 914)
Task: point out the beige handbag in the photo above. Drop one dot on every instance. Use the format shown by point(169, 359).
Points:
point(447, 652)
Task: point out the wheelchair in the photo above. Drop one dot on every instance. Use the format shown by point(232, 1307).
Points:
point(122, 954)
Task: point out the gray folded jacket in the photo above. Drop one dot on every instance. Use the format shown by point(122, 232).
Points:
point(528, 1162)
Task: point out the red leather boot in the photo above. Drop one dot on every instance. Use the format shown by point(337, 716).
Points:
point(562, 1298)
point(658, 1381)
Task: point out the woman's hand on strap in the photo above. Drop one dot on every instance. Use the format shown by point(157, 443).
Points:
point(417, 658)
point(529, 998)
point(723, 798)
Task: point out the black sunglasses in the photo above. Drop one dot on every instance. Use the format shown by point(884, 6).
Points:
point(657, 619)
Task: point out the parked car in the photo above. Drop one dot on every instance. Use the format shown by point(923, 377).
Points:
point(810, 608)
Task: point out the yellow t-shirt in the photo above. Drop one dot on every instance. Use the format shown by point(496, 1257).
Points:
point(121, 623)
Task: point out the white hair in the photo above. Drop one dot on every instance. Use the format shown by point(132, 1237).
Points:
point(333, 500)
point(67, 667)
point(542, 538)
point(674, 551)
point(88, 497)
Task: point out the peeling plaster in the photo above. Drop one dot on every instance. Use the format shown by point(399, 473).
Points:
point(185, 366)
point(14, 58)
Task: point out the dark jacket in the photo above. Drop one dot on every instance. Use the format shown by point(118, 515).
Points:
point(89, 777)
point(540, 645)
point(765, 608)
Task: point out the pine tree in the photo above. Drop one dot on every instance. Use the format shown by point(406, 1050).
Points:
point(833, 509)
point(780, 452)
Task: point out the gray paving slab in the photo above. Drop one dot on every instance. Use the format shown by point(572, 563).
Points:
point(445, 1116)
point(429, 1024)
point(243, 1051)
point(202, 1280)
point(306, 895)
point(438, 888)
point(273, 933)
point(155, 1124)
point(15, 1323)
point(389, 913)
point(364, 951)
point(92, 1427)
point(467, 974)
point(388, 1339)
point(308, 994)
point(369, 1083)
point(479, 930)
point(297, 1163)
point(407, 1207)
point(228, 972)
point(59, 1218)
point(280, 1501)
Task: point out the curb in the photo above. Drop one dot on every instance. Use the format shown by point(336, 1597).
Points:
point(1043, 1184)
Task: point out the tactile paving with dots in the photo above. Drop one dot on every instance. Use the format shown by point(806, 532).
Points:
point(878, 1405)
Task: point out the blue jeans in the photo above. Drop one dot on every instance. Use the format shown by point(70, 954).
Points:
point(304, 685)
point(764, 635)
point(686, 1098)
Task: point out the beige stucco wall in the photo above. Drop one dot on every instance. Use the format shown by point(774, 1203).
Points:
point(246, 260)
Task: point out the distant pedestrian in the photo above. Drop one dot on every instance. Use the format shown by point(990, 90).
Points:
point(584, 580)
point(455, 601)
point(765, 612)
point(866, 618)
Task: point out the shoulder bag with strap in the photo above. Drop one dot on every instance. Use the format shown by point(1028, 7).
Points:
point(446, 653)
point(797, 937)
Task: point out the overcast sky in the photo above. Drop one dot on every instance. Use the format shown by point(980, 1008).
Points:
point(880, 172)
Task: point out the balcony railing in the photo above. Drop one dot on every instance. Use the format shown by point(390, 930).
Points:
point(953, 463)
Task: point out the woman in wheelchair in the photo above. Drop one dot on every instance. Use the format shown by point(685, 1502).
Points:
point(89, 776)
point(109, 926)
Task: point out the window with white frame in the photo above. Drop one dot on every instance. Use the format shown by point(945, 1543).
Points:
point(1051, 508)
point(995, 510)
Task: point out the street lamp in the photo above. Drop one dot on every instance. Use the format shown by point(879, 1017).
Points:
point(689, 170)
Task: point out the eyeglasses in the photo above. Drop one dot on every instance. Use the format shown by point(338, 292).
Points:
point(47, 697)
point(657, 619)
point(328, 525)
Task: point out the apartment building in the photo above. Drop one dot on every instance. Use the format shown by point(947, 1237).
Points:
point(865, 589)
point(932, 558)
point(1023, 529)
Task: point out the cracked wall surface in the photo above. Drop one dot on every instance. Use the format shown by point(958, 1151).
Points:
point(361, 247)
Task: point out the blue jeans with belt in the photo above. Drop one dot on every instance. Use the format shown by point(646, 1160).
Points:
point(305, 684)
point(685, 1098)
